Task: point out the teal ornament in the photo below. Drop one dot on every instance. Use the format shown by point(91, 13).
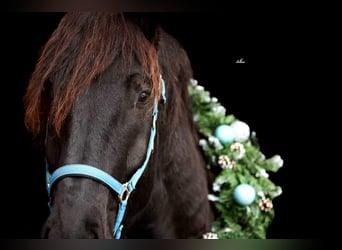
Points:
point(244, 194)
point(225, 134)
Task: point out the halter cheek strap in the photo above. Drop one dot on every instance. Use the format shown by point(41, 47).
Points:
point(123, 190)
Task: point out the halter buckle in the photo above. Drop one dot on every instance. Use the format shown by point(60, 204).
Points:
point(125, 194)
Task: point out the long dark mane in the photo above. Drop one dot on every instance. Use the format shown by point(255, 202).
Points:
point(177, 72)
point(81, 48)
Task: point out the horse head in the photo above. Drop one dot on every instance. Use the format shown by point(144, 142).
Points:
point(95, 95)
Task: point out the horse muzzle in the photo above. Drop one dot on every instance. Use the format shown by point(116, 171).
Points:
point(80, 211)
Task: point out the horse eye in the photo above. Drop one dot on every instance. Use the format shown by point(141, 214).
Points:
point(143, 96)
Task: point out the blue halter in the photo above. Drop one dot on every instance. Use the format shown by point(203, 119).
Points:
point(123, 190)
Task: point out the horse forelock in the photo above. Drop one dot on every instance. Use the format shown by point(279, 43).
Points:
point(82, 47)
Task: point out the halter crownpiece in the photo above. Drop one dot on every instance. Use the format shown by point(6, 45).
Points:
point(163, 93)
point(123, 190)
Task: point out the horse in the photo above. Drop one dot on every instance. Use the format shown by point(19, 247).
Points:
point(108, 99)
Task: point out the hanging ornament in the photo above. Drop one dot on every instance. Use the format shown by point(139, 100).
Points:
point(210, 236)
point(244, 194)
point(265, 204)
point(224, 133)
point(225, 162)
point(241, 131)
point(238, 149)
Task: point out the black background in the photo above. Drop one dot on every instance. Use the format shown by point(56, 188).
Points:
point(270, 92)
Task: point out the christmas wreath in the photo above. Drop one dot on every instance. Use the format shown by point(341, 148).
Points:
point(242, 192)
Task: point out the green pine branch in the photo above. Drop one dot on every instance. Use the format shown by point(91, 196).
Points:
point(245, 165)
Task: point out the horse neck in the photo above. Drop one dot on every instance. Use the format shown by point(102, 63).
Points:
point(177, 143)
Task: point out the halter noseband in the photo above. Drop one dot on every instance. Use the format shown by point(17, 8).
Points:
point(123, 190)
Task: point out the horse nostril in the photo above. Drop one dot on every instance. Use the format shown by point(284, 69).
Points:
point(94, 234)
point(93, 229)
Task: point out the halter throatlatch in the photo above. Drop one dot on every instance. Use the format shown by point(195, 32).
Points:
point(123, 190)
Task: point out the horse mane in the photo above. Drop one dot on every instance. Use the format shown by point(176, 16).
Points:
point(82, 47)
point(177, 72)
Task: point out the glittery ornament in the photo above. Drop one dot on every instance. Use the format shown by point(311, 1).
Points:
point(265, 204)
point(225, 162)
point(241, 131)
point(210, 236)
point(239, 149)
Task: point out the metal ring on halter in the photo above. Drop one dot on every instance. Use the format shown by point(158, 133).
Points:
point(125, 194)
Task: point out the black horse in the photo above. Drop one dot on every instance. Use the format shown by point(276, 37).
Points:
point(96, 96)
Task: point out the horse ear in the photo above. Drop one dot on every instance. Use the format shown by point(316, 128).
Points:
point(151, 30)
point(149, 26)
